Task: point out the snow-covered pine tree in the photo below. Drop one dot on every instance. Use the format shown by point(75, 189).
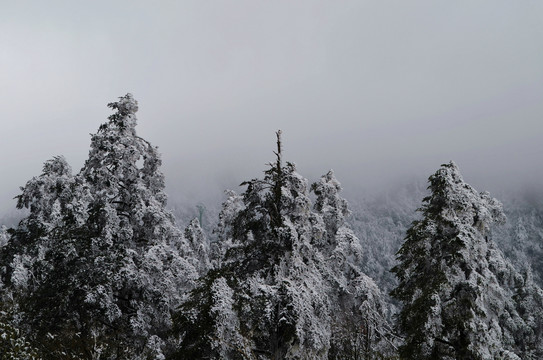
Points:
point(281, 273)
point(102, 249)
point(198, 247)
point(359, 325)
point(42, 255)
point(522, 237)
point(231, 207)
point(455, 305)
point(140, 253)
point(529, 303)
point(13, 345)
point(266, 298)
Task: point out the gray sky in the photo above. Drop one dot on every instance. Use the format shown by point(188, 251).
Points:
point(380, 91)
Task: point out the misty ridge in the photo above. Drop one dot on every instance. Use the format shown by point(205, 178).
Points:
point(96, 265)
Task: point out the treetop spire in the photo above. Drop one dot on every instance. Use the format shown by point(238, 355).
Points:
point(126, 107)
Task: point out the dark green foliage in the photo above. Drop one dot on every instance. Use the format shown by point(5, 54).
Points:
point(431, 246)
point(253, 292)
point(445, 280)
point(96, 266)
point(194, 323)
point(262, 243)
point(13, 345)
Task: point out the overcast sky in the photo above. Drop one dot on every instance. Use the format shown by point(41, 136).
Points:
point(380, 91)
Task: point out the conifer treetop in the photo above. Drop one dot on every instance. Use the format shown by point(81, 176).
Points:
point(454, 302)
point(126, 107)
point(57, 165)
point(458, 201)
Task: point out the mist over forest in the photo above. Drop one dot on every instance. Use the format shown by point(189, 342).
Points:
point(99, 266)
point(271, 180)
point(377, 92)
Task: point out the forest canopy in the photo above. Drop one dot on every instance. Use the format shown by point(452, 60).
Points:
point(99, 268)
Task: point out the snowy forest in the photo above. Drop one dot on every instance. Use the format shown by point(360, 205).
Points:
point(100, 267)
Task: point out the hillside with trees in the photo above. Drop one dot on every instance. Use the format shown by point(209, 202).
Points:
point(100, 268)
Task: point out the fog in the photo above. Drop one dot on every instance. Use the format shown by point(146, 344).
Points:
point(382, 92)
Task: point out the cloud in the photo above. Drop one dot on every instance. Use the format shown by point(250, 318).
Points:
point(379, 91)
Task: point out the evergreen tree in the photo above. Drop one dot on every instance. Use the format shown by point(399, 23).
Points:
point(522, 239)
point(529, 301)
point(98, 264)
point(198, 247)
point(266, 298)
point(141, 254)
point(277, 267)
point(456, 305)
point(13, 345)
point(231, 207)
point(359, 325)
point(42, 256)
